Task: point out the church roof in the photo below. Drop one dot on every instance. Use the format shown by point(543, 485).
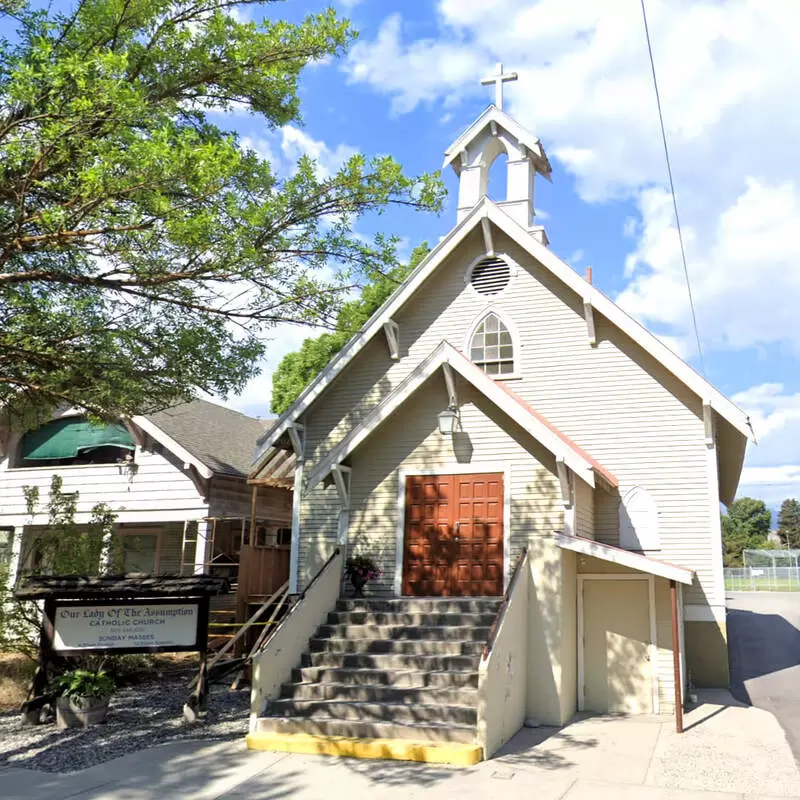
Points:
point(494, 116)
point(487, 210)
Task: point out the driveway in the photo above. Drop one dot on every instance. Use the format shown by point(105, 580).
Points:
point(764, 651)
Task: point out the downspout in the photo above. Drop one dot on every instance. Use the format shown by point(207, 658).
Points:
point(676, 658)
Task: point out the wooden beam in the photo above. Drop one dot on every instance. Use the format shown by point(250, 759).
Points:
point(341, 478)
point(563, 480)
point(708, 423)
point(588, 313)
point(488, 243)
point(392, 331)
point(450, 382)
point(297, 436)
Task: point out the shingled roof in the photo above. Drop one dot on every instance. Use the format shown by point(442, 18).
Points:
point(222, 439)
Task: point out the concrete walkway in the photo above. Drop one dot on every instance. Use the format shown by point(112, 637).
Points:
point(729, 751)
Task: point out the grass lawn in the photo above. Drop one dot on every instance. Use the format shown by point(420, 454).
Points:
point(761, 585)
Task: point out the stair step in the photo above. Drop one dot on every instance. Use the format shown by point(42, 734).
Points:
point(379, 677)
point(421, 647)
point(430, 732)
point(456, 754)
point(460, 633)
point(449, 605)
point(391, 661)
point(406, 618)
point(373, 712)
point(366, 693)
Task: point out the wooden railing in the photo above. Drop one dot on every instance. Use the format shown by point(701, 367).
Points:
point(487, 648)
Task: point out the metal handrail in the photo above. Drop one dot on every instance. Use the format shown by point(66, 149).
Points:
point(501, 612)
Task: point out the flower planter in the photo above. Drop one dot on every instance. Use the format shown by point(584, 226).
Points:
point(358, 582)
point(80, 712)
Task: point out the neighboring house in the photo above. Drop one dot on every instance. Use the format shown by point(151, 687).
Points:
point(498, 401)
point(176, 481)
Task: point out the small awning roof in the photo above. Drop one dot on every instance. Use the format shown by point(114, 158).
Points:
point(625, 558)
point(67, 437)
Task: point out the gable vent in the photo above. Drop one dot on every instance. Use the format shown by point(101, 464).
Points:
point(490, 276)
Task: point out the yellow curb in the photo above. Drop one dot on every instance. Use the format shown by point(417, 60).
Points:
point(463, 755)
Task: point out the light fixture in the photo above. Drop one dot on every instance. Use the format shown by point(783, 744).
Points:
point(448, 420)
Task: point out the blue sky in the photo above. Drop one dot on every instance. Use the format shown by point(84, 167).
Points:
point(728, 74)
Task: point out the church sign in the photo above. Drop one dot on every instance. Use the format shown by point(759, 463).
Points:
point(143, 626)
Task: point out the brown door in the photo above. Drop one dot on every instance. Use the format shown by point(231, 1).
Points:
point(453, 542)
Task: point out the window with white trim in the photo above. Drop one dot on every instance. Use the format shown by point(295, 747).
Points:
point(491, 347)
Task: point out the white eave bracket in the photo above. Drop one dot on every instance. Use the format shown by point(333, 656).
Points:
point(564, 482)
point(392, 331)
point(708, 423)
point(341, 479)
point(588, 313)
point(297, 437)
point(450, 382)
point(488, 243)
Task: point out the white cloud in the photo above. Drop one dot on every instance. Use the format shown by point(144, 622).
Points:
point(296, 143)
point(575, 257)
point(773, 471)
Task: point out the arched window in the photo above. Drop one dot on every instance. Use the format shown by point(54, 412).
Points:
point(638, 521)
point(492, 348)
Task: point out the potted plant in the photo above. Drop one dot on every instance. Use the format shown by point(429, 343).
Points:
point(83, 697)
point(360, 569)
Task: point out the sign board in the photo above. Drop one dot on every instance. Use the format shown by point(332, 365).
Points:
point(128, 626)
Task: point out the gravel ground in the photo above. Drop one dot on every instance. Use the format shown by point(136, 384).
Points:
point(139, 717)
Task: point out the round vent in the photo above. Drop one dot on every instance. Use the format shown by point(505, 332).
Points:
point(490, 276)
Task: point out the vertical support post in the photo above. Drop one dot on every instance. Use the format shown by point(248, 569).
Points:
point(200, 546)
point(253, 506)
point(676, 657)
point(32, 708)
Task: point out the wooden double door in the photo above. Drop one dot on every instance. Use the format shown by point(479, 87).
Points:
point(453, 544)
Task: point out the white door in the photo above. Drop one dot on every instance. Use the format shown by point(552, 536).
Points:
point(617, 674)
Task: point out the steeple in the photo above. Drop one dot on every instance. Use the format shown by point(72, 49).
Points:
point(474, 152)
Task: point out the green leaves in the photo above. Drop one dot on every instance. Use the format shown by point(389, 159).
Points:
point(746, 526)
point(298, 369)
point(143, 254)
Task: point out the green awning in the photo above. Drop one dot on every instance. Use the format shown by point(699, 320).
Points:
point(67, 437)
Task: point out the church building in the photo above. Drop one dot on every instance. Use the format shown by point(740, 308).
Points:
point(539, 479)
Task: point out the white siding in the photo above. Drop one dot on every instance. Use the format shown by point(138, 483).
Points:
point(584, 509)
point(156, 488)
point(612, 399)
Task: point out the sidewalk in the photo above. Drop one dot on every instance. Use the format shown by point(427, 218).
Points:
point(729, 751)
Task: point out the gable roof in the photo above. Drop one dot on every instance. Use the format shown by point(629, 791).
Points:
point(494, 115)
point(217, 440)
point(535, 424)
point(486, 209)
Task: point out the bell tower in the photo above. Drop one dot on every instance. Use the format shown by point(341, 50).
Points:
point(474, 152)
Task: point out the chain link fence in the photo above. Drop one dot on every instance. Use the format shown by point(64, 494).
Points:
point(762, 579)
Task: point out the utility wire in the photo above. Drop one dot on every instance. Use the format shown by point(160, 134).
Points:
point(672, 190)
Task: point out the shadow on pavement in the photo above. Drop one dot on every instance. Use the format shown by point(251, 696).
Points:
point(758, 645)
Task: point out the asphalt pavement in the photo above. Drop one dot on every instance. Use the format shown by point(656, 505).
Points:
point(764, 652)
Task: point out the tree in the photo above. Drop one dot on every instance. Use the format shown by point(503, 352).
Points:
point(746, 526)
point(59, 547)
point(789, 523)
point(144, 252)
point(298, 369)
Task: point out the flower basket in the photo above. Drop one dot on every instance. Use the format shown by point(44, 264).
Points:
point(360, 570)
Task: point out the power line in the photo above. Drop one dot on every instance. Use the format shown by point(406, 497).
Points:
point(672, 190)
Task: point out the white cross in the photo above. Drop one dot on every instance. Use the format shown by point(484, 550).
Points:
point(498, 80)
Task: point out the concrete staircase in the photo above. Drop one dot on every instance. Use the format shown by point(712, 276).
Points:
point(389, 679)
